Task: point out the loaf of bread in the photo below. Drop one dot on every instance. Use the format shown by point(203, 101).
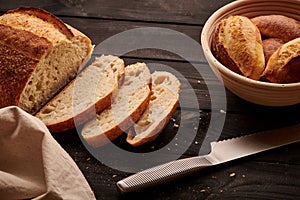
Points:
point(283, 65)
point(277, 26)
point(237, 44)
point(39, 55)
point(91, 92)
point(129, 104)
point(165, 90)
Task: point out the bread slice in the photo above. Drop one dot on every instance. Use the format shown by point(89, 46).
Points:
point(129, 104)
point(164, 100)
point(39, 55)
point(89, 93)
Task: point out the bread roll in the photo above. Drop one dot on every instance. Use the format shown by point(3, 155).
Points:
point(284, 64)
point(39, 55)
point(277, 26)
point(237, 44)
point(270, 45)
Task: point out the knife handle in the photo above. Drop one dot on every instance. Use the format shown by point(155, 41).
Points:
point(162, 173)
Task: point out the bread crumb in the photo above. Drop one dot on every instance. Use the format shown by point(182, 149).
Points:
point(222, 111)
point(88, 159)
point(232, 174)
point(175, 125)
point(174, 120)
point(221, 191)
point(114, 175)
point(203, 190)
point(198, 81)
point(243, 175)
point(196, 142)
point(213, 177)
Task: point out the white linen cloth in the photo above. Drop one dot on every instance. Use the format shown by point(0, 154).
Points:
point(32, 164)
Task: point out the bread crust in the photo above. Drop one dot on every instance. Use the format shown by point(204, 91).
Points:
point(82, 117)
point(154, 133)
point(18, 61)
point(270, 45)
point(164, 101)
point(22, 50)
point(277, 26)
point(129, 104)
point(237, 44)
point(46, 16)
point(283, 65)
point(221, 53)
point(90, 111)
point(116, 131)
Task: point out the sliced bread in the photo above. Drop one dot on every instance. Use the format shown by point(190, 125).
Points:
point(129, 104)
point(39, 55)
point(89, 93)
point(164, 100)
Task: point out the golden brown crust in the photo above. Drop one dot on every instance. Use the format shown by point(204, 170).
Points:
point(154, 134)
point(277, 26)
point(82, 117)
point(21, 50)
point(283, 65)
point(221, 54)
point(116, 131)
point(46, 16)
point(70, 119)
point(26, 42)
point(18, 61)
point(237, 44)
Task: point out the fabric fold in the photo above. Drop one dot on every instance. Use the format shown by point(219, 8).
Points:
point(32, 164)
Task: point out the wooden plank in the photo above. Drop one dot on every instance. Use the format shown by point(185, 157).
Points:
point(175, 11)
point(270, 174)
point(101, 30)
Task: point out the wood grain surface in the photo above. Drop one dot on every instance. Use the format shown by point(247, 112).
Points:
point(270, 175)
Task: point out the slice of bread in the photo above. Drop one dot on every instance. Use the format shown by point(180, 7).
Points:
point(89, 93)
point(39, 55)
point(164, 100)
point(129, 104)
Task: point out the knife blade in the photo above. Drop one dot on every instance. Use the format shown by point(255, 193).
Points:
point(221, 152)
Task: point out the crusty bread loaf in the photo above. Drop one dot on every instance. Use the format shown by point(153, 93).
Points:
point(165, 90)
point(39, 55)
point(89, 93)
point(277, 26)
point(283, 65)
point(129, 104)
point(237, 44)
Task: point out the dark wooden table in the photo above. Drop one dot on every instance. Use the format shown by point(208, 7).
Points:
point(273, 174)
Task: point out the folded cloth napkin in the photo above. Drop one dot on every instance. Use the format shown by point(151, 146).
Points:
point(32, 164)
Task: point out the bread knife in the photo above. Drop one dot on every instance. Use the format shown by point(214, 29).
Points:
point(221, 152)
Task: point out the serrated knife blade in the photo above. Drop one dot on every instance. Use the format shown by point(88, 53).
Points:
point(221, 152)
